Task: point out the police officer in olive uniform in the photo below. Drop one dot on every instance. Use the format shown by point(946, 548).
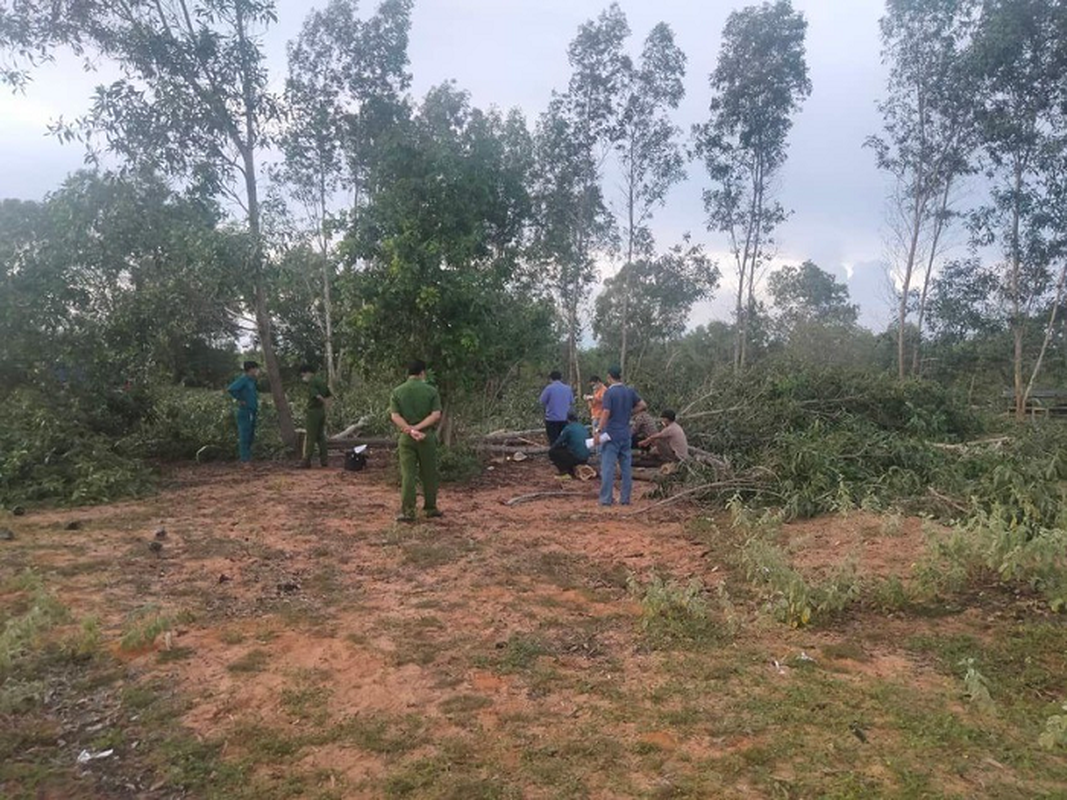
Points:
point(415, 408)
point(318, 393)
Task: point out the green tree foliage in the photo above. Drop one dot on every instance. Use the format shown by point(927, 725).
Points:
point(346, 77)
point(1019, 58)
point(649, 150)
point(759, 83)
point(574, 135)
point(655, 296)
point(443, 234)
point(94, 278)
point(929, 136)
point(808, 294)
point(813, 318)
point(193, 102)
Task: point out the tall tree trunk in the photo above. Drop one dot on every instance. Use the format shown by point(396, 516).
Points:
point(909, 268)
point(327, 281)
point(918, 214)
point(1017, 327)
point(327, 311)
point(939, 227)
point(627, 268)
point(263, 320)
point(1048, 334)
point(739, 314)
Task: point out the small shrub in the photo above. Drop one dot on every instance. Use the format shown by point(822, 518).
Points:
point(673, 613)
point(52, 449)
point(792, 598)
point(23, 634)
point(988, 546)
point(521, 652)
point(143, 627)
point(976, 685)
point(458, 464)
point(1055, 734)
point(84, 644)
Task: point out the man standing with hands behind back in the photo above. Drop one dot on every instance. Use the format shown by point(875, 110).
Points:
point(415, 409)
point(620, 402)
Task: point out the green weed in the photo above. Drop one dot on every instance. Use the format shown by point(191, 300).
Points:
point(520, 652)
point(976, 685)
point(792, 598)
point(1055, 734)
point(673, 613)
point(143, 626)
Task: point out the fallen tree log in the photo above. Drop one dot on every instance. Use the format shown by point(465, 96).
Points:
point(718, 486)
point(510, 450)
point(351, 430)
point(347, 444)
point(505, 435)
point(996, 442)
point(529, 498)
point(710, 459)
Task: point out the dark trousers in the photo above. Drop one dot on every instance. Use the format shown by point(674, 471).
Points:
point(553, 430)
point(246, 432)
point(564, 460)
point(315, 425)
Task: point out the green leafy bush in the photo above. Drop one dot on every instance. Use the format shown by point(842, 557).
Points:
point(1055, 734)
point(459, 464)
point(50, 450)
point(987, 546)
point(186, 424)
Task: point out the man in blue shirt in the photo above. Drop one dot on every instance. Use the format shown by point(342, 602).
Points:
point(243, 390)
point(620, 403)
point(557, 398)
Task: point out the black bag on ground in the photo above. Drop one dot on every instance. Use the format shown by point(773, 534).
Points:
point(354, 461)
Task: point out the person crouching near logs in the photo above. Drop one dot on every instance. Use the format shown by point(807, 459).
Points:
point(570, 450)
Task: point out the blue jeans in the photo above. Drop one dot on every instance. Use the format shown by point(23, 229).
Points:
point(246, 432)
point(611, 453)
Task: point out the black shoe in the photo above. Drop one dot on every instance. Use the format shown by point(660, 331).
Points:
point(433, 513)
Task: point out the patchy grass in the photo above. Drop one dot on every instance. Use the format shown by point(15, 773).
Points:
point(505, 660)
point(673, 614)
point(254, 660)
point(143, 626)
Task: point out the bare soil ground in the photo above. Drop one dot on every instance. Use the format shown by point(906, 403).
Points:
point(286, 639)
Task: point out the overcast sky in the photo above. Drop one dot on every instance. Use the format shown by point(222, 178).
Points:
point(513, 53)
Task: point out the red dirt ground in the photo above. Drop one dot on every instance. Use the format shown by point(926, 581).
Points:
point(307, 571)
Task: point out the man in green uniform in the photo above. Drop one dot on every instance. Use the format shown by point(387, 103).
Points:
point(318, 394)
point(415, 409)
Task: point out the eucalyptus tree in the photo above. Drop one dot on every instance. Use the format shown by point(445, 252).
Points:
point(1019, 60)
point(929, 136)
point(574, 138)
point(193, 103)
point(759, 83)
point(654, 295)
point(649, 149)
point(342, 70)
